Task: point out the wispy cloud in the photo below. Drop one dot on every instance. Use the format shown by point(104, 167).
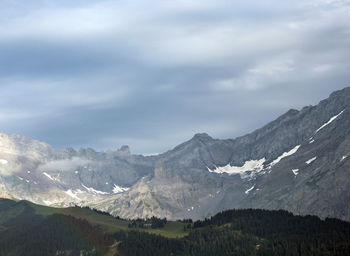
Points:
point(64, 165)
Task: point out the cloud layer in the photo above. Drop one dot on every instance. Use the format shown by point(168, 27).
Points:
point(151, 74)
point(64, 165)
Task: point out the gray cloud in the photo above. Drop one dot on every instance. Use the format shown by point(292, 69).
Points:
point(64, 165)
point(107, 73)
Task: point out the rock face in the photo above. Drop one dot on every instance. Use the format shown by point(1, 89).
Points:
point(298, 162)
point(34, 171)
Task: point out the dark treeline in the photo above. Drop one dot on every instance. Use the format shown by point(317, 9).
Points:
point(141, 243)
point(186, 221)
point(98, 211)
point(204, 242)
point(285, 233)
point(247, 232)
point(152, 222)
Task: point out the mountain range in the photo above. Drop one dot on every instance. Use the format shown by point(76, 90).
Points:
point(298, 162)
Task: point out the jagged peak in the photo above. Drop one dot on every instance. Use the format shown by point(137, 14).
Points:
point(202, 136)
point(340, 93)
point(70, 150)
point(292, 111)
point(339, 99)
point(125, 149)
point(197, 138)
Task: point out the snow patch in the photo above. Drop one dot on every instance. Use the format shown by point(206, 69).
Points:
point(47, 202)
point(20, 178)
point(117, 189)
point(254, 166)
point(48, 175)
point(51, 177)
point(329, 121)
point(343, 158)
point(250, 189)
point(311, 160)
point(76, 172)
point(94, 191)
point(284, 155)
point(28, 172)
point(3, 161)
point(190, 209)
point(72, 194)
point(295, 172)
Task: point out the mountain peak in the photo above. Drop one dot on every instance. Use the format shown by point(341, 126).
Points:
point(202, 136)
point(339, 99)
point(125, 149)
point(292, 111)
point(342, 92)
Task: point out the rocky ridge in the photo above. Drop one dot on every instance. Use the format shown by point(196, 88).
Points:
point(298, 162)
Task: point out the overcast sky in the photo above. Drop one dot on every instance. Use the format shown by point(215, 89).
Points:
point(151, 74)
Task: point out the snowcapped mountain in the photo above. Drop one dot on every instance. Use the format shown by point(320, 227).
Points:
point(298, 162)
point(34, 171)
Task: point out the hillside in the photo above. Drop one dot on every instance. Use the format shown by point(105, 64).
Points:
point(29, 229)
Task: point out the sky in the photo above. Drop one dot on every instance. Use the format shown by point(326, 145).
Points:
point(151, 74)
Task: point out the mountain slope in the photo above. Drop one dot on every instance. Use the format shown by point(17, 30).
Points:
point(321, 182)
point(182, 185)
point(298, 162)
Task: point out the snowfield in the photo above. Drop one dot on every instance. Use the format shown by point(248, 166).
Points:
point(311, 160)
point(284, 155)
point(329, 121)
point(253, 166)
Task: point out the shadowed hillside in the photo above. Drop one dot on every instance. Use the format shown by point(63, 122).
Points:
point(29, 229)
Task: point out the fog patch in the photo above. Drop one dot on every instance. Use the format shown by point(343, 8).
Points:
point(64, 164)
point(5, 171)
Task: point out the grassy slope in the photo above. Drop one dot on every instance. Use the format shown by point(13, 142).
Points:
point(172, 229)
point(10, 211)
point(107, 223)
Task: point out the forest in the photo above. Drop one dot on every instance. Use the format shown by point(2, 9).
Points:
point(247, 232)
point(26, 229)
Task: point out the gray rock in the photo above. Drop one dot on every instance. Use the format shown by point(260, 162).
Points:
point(199, 177)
